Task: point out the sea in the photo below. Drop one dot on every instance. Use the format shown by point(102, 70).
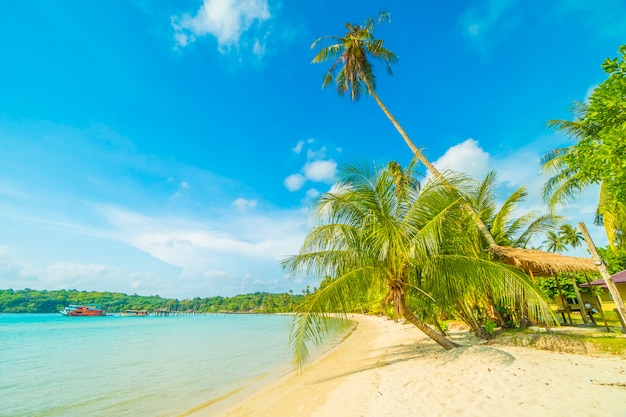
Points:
point(52, 365)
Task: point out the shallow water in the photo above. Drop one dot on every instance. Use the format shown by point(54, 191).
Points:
point(52, 365)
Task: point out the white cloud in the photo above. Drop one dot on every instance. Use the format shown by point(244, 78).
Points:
point(258, 49)
point(18, 274)
point(242, 203)
point(466, 157)
point(482, 20)
point(226, 20)
point(65, 272)
point(312, 193)
point(214, 274)
point(313, 154)
point(321, 171)
point(298, 148)
point(131, 236)
point(318, 168)
point(181, 191)
point(294, 182)
point(221, 251)
point(483, 17)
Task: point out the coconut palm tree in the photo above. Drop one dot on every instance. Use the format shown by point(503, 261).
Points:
point(612, 215)
point(372, 238)
point(504, 224)
point(570, 235)
point(566, 182)
point(554, 242)
point(353, 73)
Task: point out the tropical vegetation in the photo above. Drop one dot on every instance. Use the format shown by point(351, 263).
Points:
point(599, 154)
point(34, 301)
point(380, 236)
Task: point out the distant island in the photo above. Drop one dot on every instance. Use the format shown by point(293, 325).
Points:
point(34, 301)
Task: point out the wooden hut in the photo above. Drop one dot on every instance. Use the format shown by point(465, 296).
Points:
point(545, 264)
point(538, 263)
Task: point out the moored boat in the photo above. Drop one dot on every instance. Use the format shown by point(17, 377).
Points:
point(88, 310)
point(134, 313)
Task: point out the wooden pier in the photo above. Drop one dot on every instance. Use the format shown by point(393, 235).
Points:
point(175, 313)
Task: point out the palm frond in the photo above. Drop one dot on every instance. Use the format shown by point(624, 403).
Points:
point(329, 52)
point(335, 299)
point(539, 225)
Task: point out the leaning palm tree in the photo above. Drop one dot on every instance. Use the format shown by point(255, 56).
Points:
point(396, 244)
point(353, 72)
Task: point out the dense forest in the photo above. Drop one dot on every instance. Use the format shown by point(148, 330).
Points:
point(33, 301)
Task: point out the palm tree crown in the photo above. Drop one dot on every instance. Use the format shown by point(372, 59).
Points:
point(352, 53)
point(570, 235)
point(554, 242)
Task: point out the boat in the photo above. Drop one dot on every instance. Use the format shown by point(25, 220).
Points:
point(134, 313)
point(88, 310)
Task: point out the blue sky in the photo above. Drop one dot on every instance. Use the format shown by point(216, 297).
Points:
point(173, 147)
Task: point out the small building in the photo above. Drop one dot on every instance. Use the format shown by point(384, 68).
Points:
point(608, 304)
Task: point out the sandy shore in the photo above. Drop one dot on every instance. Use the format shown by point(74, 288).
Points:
point(391, 369)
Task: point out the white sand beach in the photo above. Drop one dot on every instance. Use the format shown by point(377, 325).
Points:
point(389, 369)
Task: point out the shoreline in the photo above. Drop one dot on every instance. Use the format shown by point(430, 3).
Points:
point(384, 368)
point(222, 404)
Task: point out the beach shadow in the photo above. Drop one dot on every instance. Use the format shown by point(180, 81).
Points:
point(472, 350)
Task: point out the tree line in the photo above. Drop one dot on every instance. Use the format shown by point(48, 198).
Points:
point(34, 301)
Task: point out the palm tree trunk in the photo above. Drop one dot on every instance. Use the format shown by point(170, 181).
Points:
point(492, 310)
point(619, 303)
point(426, 329)
point(419, 155)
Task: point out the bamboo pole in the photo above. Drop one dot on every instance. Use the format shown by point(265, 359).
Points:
point(583, 309)
point(563, 299)
point(593, 292)
point(599, 262)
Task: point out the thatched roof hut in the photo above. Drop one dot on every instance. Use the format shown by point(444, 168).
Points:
point(543, 264)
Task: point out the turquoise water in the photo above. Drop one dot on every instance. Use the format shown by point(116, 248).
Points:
point(52, 365)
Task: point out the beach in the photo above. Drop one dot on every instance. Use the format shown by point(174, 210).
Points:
point(385, 368)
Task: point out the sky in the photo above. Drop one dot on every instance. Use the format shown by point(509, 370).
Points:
point(173, 148)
